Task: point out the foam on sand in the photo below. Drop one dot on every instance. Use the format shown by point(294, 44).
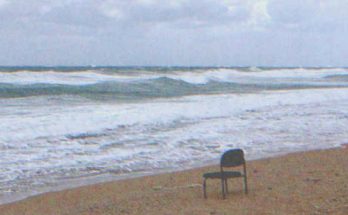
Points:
point(44, 144)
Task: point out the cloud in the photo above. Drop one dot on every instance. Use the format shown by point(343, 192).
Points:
point(80, 13)
point(237, 14)
point(192, 13)
point(3, 3)
point(309, 15)
point(144, 32)
point(111, 14)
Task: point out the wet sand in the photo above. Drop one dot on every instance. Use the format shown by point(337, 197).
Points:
point(314, 182)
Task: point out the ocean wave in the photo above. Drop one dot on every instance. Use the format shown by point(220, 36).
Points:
point(162, 87)
point(72, 141)
point(27, 77)
point(144, 83)
point(342, 78)
point(196, 76)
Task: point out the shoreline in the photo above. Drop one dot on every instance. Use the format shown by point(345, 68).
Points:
point(91, 180)
point(186, 185)
point(273, 125)
point(78, 182)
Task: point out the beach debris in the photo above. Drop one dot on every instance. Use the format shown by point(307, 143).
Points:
point(194, 185)
point(157, 188)
point(314, 180)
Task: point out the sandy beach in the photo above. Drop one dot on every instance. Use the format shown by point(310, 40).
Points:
point(312, 182)
point(121, 107)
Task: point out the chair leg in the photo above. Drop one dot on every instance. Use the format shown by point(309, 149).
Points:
point(245, 184)
point(226, 186)
point(245, 179)
point(223, 188)
point(205, 188)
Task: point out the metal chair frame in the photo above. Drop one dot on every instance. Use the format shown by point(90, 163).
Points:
point(231, 158)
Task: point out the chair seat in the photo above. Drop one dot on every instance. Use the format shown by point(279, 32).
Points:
point(227, 174)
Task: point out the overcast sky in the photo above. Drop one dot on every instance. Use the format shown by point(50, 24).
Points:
point(174, 32)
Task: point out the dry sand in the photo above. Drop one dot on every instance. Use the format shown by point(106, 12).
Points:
point(313, 182)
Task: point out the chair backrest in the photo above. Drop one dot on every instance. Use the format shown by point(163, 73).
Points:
point(232, 158)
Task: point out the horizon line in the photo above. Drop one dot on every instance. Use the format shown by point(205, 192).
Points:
point(163, 66)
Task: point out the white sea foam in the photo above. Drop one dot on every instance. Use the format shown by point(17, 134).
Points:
point(64, 140)
point(67, 78)
point(46, 138)
point(193, 77)
point(57, 119)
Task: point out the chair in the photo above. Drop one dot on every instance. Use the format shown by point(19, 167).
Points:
point(231, 158)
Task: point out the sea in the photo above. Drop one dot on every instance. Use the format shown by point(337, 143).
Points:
point(63, 127)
